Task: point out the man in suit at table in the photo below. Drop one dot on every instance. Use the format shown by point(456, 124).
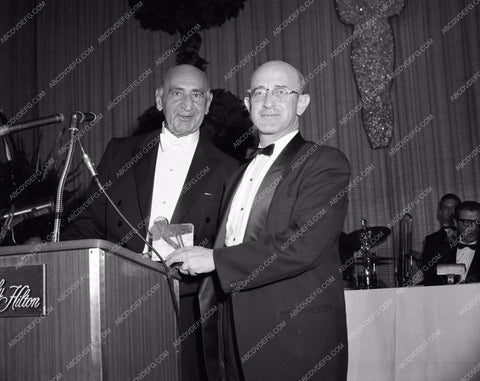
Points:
point(275, 259)
point(446, 234)
point(177, 174)
point(464, 248)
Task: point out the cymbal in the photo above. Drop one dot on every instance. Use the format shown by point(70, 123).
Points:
point(377, 235)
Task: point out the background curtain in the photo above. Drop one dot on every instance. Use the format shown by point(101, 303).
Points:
point(62, 30)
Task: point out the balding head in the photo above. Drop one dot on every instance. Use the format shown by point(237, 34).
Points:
point(276, 115)
point(287, 71)
point(183, 71)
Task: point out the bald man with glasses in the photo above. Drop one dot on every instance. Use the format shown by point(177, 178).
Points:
point(275, 262)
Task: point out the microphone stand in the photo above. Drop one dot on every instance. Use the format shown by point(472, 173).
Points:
point(74, 121)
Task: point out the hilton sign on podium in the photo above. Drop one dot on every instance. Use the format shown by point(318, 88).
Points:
point(22, 291)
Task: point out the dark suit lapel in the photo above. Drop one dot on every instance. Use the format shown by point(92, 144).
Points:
point(277, 172)
point(202, 166)
point(474, 270)
point(283, 164)
point(443, 235)
point(144, 170)
point(230, 188)
point(451, 255)
point(275, 175)
point(232, 184)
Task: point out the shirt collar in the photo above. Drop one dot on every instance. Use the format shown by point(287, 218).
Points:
point(186, 144)
point(281, 143)
point(468, 243)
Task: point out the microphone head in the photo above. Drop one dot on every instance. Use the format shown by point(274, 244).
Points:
point(59, 117)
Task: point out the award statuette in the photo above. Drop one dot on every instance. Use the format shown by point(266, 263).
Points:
point(167, 238)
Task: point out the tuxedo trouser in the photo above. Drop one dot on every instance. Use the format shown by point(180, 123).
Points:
point(231, 357)
point(193, 368)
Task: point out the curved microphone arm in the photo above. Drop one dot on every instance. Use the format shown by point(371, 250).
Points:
point(75, 119)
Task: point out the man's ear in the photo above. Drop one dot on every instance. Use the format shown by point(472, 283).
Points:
point(158, 98)
point(302, 104)
point(455, 222)
point(246, 102)
point(209, 101)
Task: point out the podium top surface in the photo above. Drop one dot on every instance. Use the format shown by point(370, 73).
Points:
point(85, 244)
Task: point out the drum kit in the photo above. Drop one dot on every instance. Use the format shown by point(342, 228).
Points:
point(355, 250)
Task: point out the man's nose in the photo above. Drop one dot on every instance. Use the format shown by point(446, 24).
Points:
point(187, 102)
point(268, 101)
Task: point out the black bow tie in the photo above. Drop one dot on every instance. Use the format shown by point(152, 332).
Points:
point(252, 152)
point(472, 246)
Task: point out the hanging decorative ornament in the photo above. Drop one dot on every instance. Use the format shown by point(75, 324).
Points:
point(373, 62)
point(186, 17)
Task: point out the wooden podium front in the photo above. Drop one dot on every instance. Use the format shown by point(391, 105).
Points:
point(110, 316)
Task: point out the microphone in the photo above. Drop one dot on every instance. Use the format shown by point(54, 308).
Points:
point(86, 116)
point(57, 118)
point(29, 210)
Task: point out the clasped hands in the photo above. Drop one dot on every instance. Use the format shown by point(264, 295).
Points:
point(192, 260)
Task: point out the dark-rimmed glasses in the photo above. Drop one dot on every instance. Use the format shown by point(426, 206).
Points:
point(467, 222)
point(279, 93)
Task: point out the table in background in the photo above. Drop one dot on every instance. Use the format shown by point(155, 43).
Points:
point(414, 334)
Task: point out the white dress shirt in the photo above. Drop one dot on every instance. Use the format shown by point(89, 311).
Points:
point(247, 189)
point(465, 256)
point(173, 162)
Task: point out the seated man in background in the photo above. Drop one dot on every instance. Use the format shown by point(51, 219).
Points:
point(464, 249)
point(446, 233)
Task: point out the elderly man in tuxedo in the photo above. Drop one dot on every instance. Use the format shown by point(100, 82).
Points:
point(177, 174)
point(275, 262)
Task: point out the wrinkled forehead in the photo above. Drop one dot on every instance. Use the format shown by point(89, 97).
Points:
point(186, 78)
point(275, 75)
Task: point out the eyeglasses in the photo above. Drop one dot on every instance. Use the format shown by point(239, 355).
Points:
point(467, 222)
point(279, 93)
point(196, 95)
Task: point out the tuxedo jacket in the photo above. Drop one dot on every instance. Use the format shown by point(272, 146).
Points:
point(129, 163)
point(283, 281)
point(432, 242)
point(447, 254)
point(473, 274)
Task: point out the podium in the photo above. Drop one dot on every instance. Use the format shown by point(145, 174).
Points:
point(109, 315)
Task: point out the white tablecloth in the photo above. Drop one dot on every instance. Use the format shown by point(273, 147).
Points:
point(414, 334)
